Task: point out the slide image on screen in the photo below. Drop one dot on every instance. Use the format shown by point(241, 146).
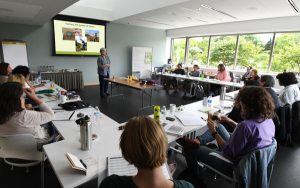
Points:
point(92, 35)
point(81, 43)
point(76, 38)
point(70, 33)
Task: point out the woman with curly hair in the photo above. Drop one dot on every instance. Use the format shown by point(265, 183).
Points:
point(256, 131)
point(290, 92)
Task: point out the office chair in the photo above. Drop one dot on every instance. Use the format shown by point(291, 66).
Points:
point(20, 151)
point(254, 170)
point(296, 121)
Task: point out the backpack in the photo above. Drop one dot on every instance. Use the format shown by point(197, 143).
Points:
point(199, 92)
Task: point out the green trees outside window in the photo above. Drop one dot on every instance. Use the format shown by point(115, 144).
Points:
point(253, 50)
point(178, 50)
point(198, 50)
point(286, 55)
point(222, 50)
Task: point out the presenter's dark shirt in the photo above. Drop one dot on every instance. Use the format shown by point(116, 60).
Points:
point(115, 181)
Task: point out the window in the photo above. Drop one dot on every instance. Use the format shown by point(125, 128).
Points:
point(254, 50)
point(286, 54)
point(178, 50)
point(198, 48)
point(222, 50)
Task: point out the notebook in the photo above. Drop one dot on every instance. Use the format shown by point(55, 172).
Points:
point(176, 130)
point(119, 166)
point(76, 163)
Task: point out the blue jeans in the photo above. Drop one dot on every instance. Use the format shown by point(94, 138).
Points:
point(207, 137)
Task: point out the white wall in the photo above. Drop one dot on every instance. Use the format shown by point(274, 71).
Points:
point(252, 26)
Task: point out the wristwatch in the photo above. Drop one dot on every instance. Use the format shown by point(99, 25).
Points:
point(214, 134)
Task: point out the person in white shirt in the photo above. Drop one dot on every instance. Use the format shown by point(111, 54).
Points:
point(290, 92)
point(15, 119)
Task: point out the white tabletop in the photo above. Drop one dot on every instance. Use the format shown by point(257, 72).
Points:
point(107, 143)
point(207, 80)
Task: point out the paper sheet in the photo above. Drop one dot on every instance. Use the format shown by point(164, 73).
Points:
point(191, 118)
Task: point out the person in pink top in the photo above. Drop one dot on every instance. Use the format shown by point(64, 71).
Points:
point(222, 74)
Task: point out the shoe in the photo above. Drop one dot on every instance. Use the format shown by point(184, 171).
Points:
point(107, 94)
point(188, 143)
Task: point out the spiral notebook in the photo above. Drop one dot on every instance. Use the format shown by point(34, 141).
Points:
point(119, 166)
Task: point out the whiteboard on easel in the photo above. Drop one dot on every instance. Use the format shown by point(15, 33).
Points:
point(14, 53)
point(142, 61)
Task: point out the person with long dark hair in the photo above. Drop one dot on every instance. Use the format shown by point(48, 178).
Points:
point(15, 119)
point(5, 71)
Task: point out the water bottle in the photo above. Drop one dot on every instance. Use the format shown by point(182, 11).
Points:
point(97, 115)
point(85, 132)
point(209, 101)
point(163, 114)
point(38, 79)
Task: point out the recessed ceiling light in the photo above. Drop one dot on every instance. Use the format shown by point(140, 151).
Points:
point(216, 10)
point(293, 5)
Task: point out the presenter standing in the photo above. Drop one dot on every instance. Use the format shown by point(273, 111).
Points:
point(103, 63)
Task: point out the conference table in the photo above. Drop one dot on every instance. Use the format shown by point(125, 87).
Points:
point(107, 142)
point(70, 80)
point(136, 85)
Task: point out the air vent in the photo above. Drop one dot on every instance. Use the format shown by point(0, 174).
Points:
point(216, 10)
point(293, 5)
point(155, 22)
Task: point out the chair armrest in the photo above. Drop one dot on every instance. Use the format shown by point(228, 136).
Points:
point(220, 157)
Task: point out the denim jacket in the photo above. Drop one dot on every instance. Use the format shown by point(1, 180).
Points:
point(254, 170)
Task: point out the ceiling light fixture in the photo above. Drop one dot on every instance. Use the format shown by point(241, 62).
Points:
point(216, 10)
point(293, 5)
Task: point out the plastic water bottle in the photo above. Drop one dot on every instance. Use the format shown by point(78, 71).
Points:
point(39, 78)
point(209, 101)
point(97, 116)
point(163, 114)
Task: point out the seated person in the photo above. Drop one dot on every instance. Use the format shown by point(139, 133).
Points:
point(253, 75)
point(256, 131)
point(15, 119)
point(20, 79)
point(179, 70)
point(247, 74)
point(5, 71)
point(222, 74)
point(290, 92)
point(268, 82)
point(173, 81)
point(196, 71)
point(144, 144)
point(25, 71)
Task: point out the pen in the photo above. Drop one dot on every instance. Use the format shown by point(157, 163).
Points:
point(71, 115)
point(83, 163)
point(203, 119)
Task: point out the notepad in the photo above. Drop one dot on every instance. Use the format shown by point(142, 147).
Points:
point(191, 118)
point(176, 130)
point(119, 166)
point(75, 163)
